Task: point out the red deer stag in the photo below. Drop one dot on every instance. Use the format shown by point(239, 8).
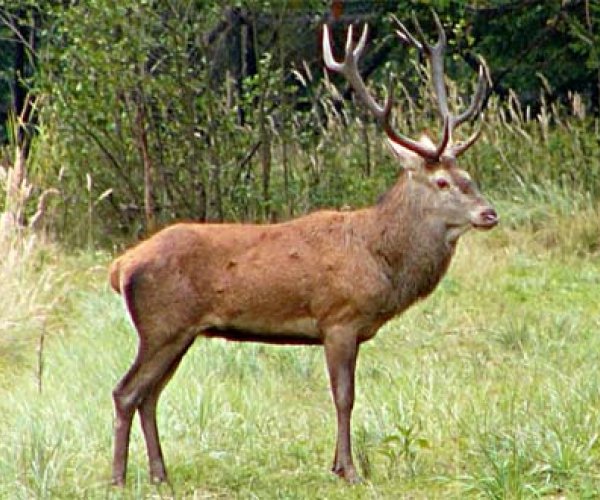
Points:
point(329, 278)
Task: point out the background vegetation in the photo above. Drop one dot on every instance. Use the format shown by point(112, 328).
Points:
point(140, 113)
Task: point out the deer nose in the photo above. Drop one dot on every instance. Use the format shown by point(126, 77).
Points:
point(489, 217)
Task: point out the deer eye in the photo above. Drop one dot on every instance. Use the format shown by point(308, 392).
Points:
point(442, 183)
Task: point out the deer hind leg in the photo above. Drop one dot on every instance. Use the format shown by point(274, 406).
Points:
point(124, 410)
point(341, 350)
point(161, 347)
point(147, 413)
point(139, 390)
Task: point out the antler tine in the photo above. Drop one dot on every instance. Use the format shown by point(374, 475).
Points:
point(421, 34)
point(405, 35)
point(477, 99)
point(330, 61)
point(349, 68)
point(435, 53)
point(460, 148)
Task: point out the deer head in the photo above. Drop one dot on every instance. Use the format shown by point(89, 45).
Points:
point(452, 193)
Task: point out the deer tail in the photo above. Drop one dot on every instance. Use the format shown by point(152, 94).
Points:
point(114, 275)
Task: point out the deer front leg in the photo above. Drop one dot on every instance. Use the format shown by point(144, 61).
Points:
point(341, 349)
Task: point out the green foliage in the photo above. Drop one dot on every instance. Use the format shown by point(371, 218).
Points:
point(229, 143)
point(104, 56)
point(524, 42)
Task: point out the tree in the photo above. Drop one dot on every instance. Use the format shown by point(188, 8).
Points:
point(199, 110)
point(21, 25)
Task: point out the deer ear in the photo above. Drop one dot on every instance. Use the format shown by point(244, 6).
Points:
point(409, 159)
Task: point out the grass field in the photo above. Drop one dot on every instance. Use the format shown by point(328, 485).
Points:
point(490, 388)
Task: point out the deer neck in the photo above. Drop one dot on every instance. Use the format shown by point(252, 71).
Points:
point(412, 242)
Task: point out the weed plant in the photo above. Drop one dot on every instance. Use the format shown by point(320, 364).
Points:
point(30, 287)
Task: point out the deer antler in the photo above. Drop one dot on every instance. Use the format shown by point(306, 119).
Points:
point(349, 68)
point(435, 54)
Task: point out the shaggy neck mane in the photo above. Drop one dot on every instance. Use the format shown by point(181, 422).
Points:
point(412, 240)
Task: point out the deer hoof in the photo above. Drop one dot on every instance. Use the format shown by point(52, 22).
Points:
point(158, 478)
point(158, 473)
point(118, 482)
point(348, 474)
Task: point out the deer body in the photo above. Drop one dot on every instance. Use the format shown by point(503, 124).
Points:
point(329, 278)
point(287, 283)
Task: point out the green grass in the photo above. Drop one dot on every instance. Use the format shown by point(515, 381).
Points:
point(490, 388)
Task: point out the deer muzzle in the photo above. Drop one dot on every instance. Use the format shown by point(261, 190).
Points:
point(485, 218)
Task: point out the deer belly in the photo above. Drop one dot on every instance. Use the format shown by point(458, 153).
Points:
point(290, 331)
